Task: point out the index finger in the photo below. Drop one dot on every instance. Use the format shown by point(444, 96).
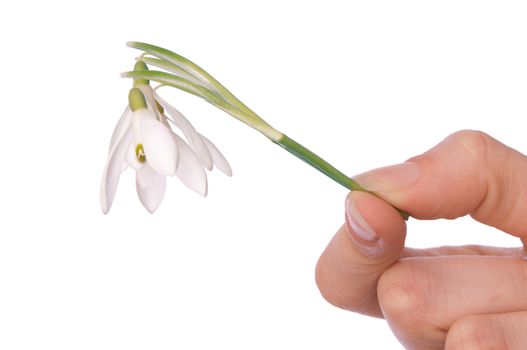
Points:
point(468, 173)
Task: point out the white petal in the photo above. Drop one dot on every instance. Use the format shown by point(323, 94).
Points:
point(151, 196)
point(218, 158)
point(112, 170)
point(131, 157)
point(192, 136)
point(145, 176)
point(121, 127)
point(159, 145)
point(148, 92)
point(189, 170)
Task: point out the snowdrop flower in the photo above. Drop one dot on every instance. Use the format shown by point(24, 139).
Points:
point(181, 73)
point(144, 141)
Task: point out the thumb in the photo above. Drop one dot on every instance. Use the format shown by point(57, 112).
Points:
point(370, 242)
point(467, 173)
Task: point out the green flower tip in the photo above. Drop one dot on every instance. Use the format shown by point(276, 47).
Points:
point(140, 153)
point(136, 99)
point(160, 108)
point(140, 66)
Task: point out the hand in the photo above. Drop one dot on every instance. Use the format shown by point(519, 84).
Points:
point(470, 297)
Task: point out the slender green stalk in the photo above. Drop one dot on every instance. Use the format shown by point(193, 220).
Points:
point(174, 81)
point(194, 70)
point(163, 64)
point(317, 162)
point(193, 79)
point(320, 164)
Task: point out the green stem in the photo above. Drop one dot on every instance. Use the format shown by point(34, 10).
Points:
point(317, 162)
point(194, 70)
point(197, 81)
point(320, 164)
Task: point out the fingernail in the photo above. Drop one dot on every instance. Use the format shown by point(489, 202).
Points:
point(359, 226)
point(391, 178)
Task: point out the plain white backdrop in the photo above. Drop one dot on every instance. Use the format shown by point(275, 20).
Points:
point(364, 84)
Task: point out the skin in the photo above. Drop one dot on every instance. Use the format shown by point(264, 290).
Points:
point(470, 297)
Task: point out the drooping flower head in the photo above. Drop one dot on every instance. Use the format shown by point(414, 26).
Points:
point(144, 140)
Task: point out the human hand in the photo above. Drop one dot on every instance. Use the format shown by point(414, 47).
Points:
point(470, 297)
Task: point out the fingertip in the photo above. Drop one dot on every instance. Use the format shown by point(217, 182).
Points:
point(370, 241)
point(374, 224)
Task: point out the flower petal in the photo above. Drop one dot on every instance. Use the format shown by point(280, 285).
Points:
point(217, 157)
point(148, 92)
point(193, 137)
point(152, 195)
point(159, 145)
point(120, 127)
point(189, 170)
point(125, 166)
point(145, 176)
point(113, 169)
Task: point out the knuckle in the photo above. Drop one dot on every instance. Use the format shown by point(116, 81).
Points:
point(337, 294)
point(521, 266)
point(401, 295)
point(475, 332)
point(475, 142)
point(325, 280)
point(323, 284)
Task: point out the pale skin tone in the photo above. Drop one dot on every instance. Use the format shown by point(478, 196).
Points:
point(471, 297)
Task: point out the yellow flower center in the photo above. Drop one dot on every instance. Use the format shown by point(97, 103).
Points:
point(140, 153)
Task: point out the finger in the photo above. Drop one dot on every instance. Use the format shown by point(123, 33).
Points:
point(468, 173)
point(497, 331)
point(422, 297)
point(463, 250)
point(371, 240)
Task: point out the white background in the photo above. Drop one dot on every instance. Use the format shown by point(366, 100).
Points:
point(363, 83)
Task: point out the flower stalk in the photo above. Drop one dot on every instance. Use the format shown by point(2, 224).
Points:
point(187, 76)
point(318, 163)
